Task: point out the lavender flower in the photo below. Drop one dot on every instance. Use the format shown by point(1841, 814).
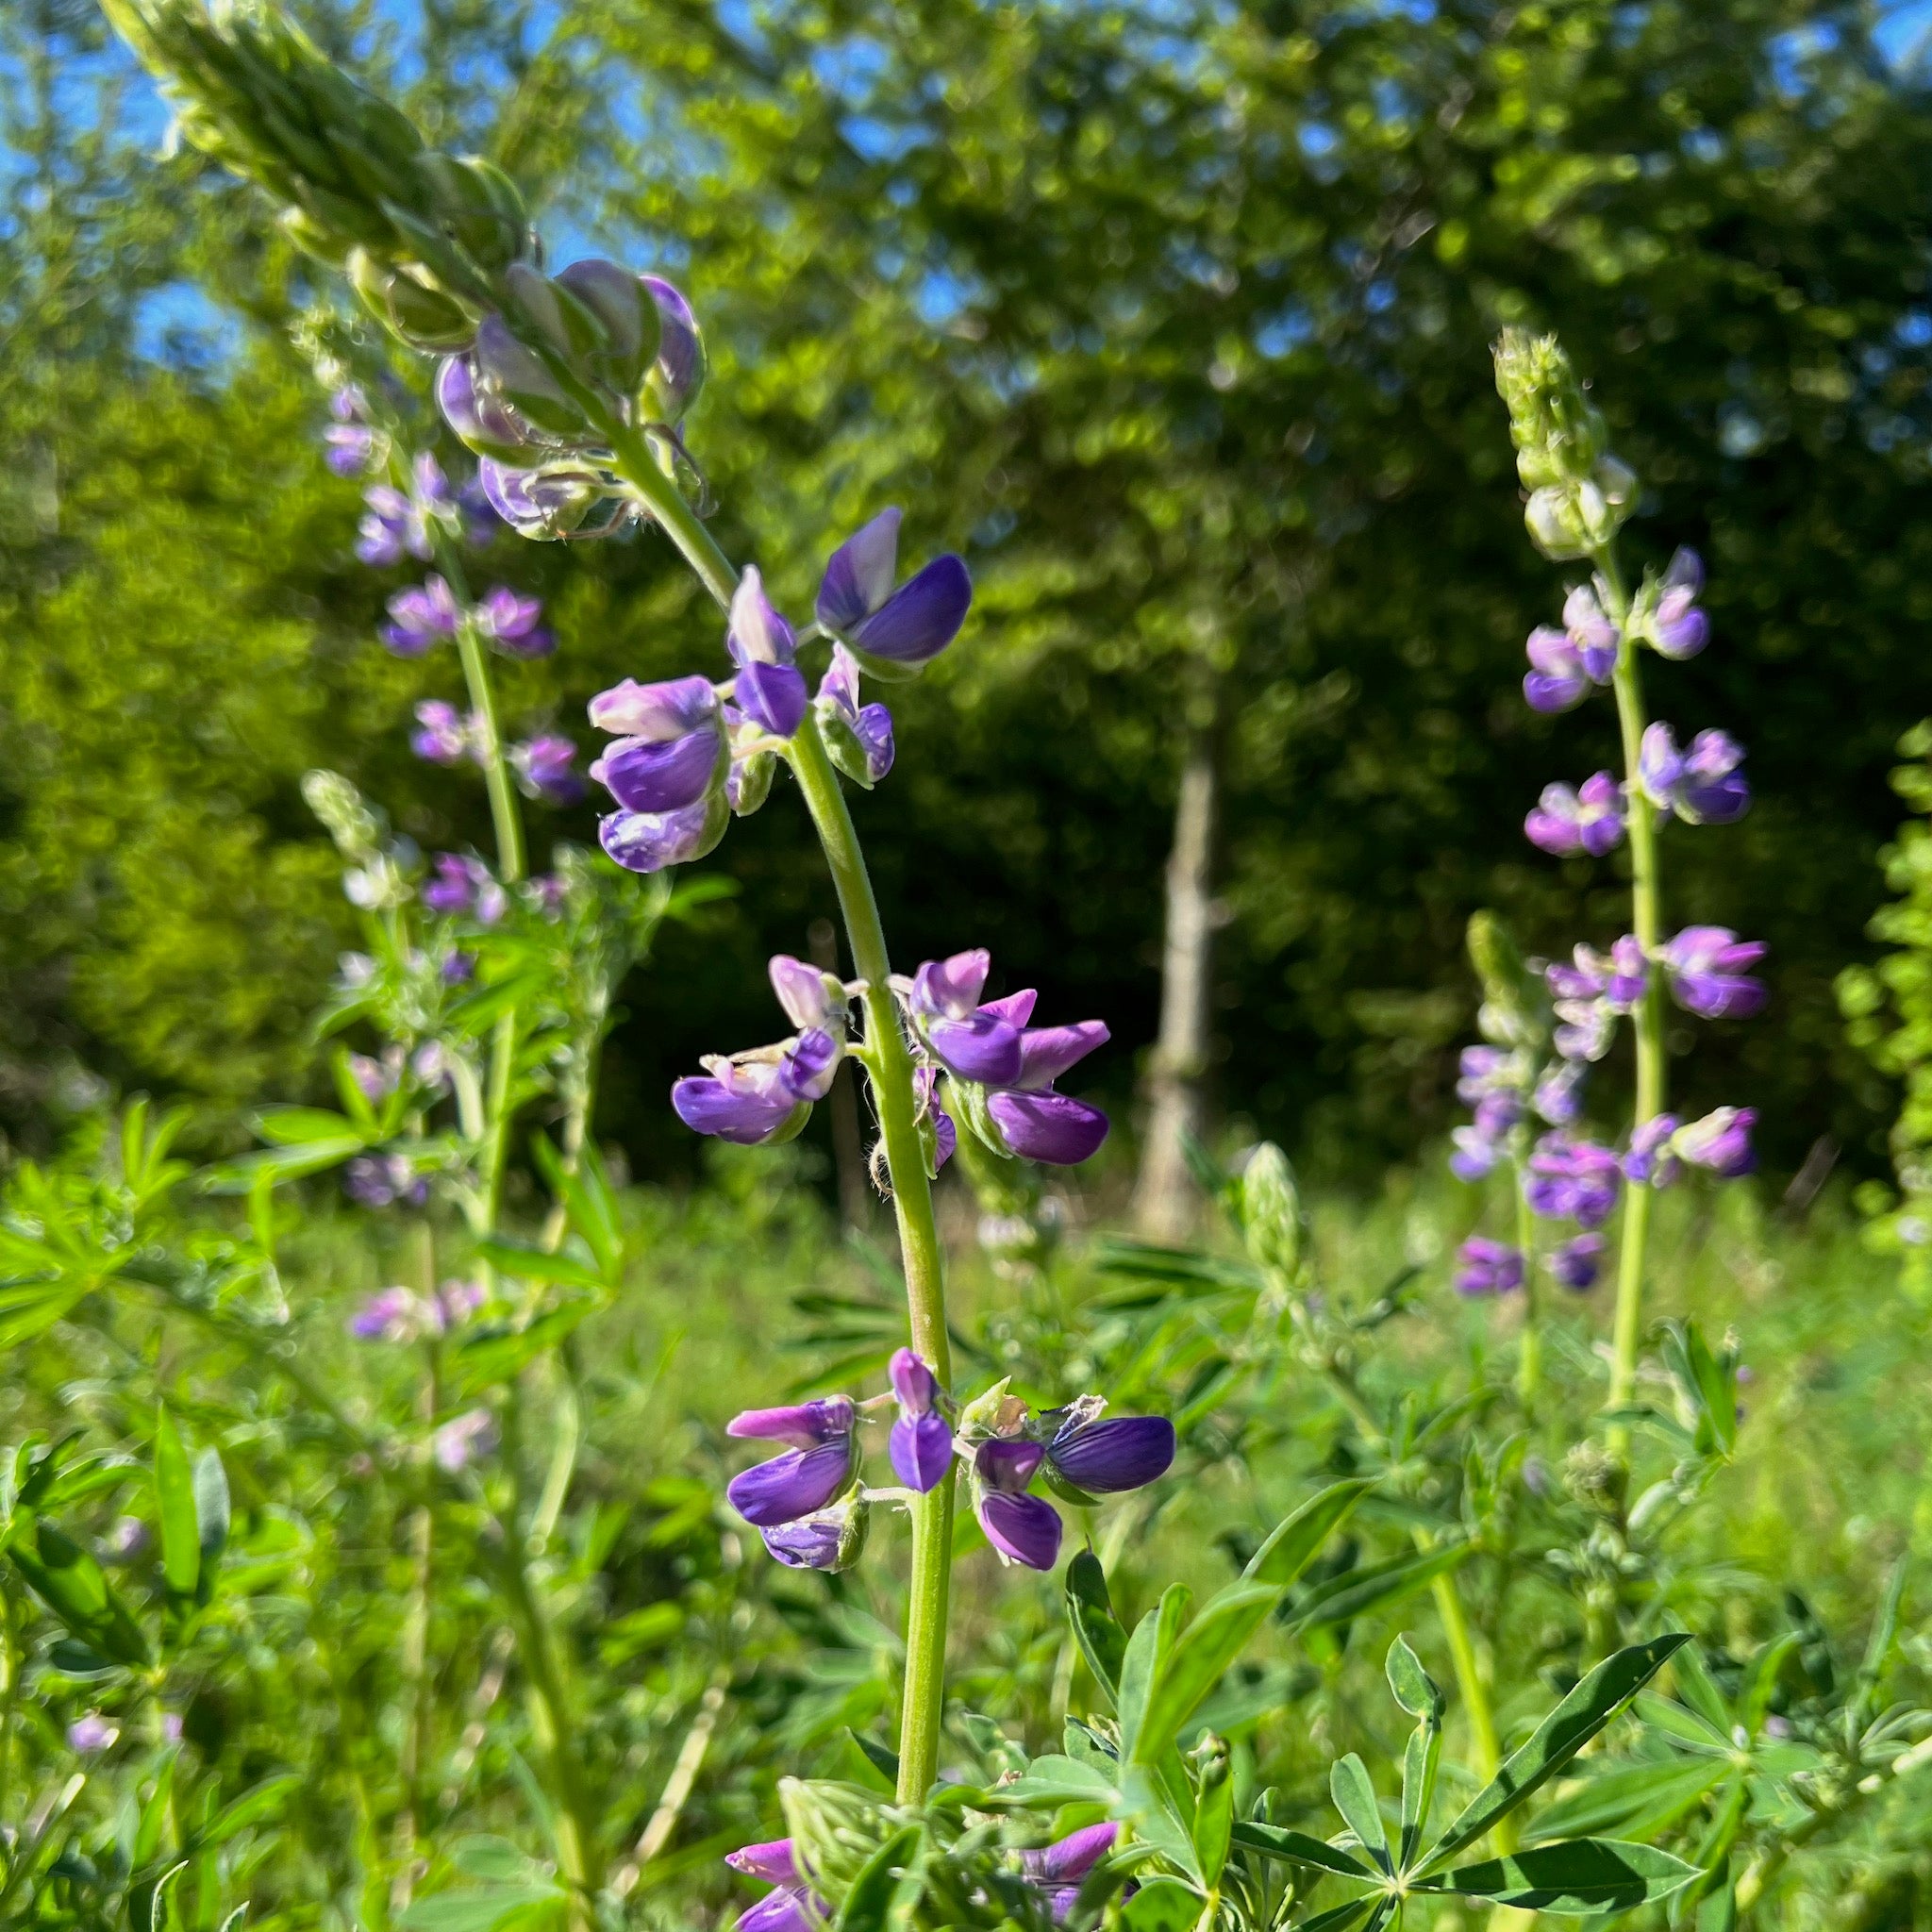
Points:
point(1703, 786)
point(421, 618)
point(465, 885)
point(92, 1733)
point(1650, 1161)
point(1719, 1142)
point(510, 622)
point(648, 841)
point(396, 525)
point(444, 736)
point(1705, 967)
point(673, 382)
point(1023, 1528)
point(770, 687)
point(1617, 979)
point(542, 768)
point(1571, 1180)
point(895, 632)
point(921, 1444)
point(767, 1094)
point(1058, 1868)
point(976, 1042)
point(1486, 1267)
point(674, 753)
point(1095, 1456)
point(1590, 819)
point(1563, 665)
point(1577, 1263)
point(380, 1180)
point(388, 1316)
point(808, 1475)
point(858, 737)
point(464, 1440)
point(793, 1908)
point(556, 503)
point(1559, 1095)
point(1671, 622)
point(354, 449)
point(829, 1539)
point(398, 1314)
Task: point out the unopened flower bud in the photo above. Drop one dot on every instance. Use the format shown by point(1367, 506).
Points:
point(835, 1829)
point(628, 317)
point(1272, 1225)
point(416, 315)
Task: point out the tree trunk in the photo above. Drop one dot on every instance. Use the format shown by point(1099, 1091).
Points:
point(1166, 1197)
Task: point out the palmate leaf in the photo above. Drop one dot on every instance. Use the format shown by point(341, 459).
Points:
point(1166, 1906)
point(1580, 1716)
point(1354, 1794)
point(1576, 1879)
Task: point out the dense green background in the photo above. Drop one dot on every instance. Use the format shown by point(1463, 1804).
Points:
point(1175, 320)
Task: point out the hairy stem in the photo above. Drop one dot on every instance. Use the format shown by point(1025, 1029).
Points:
point(1649, 1016)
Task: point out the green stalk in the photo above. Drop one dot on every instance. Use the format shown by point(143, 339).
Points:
point(890, 1065)
point(1649, 1018)
point(1529, 1368)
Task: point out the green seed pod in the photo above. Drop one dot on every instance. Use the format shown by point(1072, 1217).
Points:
point(1272, 1223)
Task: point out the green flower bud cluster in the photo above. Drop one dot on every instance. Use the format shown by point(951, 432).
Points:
point(834, 1828)
point(1269, 1204)
point(1579, 493)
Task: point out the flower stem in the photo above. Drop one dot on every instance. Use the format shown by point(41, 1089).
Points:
point(1529, 1367)
point(1649, 1018)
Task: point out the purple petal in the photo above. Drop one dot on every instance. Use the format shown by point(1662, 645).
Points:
point(655, 711)
point(951, 986)
point(757, 635)
point(1054, 1129)
point(773, 696)
point(1070, 1859)
point(791, 1485)
point(780, 1911)
point(1016, 1008)
point(680, 346)
point(801, 990)
point(921, 1447)
point(806, 1073)
point(665, 776)
point(1120, 1453)
point(708, 1106)
point(859, 574)
point(770, 1863)
point(811, 1544)
point(922, 617)
point(1007, 1463)
point(979, 1048)
point(913, 1383)
point(1048, 1052)
point(1024, 1528)
point(1547, 693)
point(804, 1425)
point(873, 727)
point(647, 842)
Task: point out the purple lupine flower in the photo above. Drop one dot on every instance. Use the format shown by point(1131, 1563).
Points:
point(909, 626)
point(512, 624)
point(388, 1316)
point(1617, 979)
point(445, 735)
point(679, 372)
point(1577, 1263)
point(808, 1476)
point(921, 1444)
point(1719, 1142)
point(1592, 632)
point(1486, 1267)
point(421, 617)
point(1053, 1129)
point(127, 1541)
point(647, 842)
point(376, 1079)
point(945, 1135)
point(1058, 1868)
point(1676, 628)
point(976, 1042)
point(1559, 1096)
point(464, 1440)
point(458, 967)
point(1649, 1160)
point(465, 885)
point(1106, 1456)
point(92, 1733)
point(396, 525)
point(380, 1180)
point(811, 996)
point(858, 737)
point(1703, 785)
point(354, 448)
point(672, 757)
point(1590, 819)
point(482, 418)
point(1706, 967)
point(559, 501)
point(1476, 1154)
point(1023, 1528)
point(542, 768)
point(831, 1540)
point(1571, 1180)
point(771, 687)
point(765, 1095)
point(791, 1908)
point(1563, 665)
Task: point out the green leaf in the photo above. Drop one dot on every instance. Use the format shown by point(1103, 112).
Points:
point(1360, 1592)
point(175, 1495)
point(881, 1882)
point(488, 1357)
point(255, 1804)
point(153, 1818)
point(1213, 1820)
point(304, 1126)
point(1298, 1848)
point(1097, 1629)
point(1296, 1542)
point(1637, 1799)
point(1575, 1878)
point(1166, 1906)
point(68, 1580)
point(481, 1910)
point(161, 1916)
point(1686, 1726)
point(279, 1164)
point(1354, 1798)
point(1339, 1918)
point(1411, 1686)
point(1147, 1651)
point(882, 1757)
point(1580, 1716)
point(1151, 1808)
point(528, 1263)
point(211, 1512)
point(1695, 1688)
point(590, 1203)
point(1055, 1780)
point(1196, 1663)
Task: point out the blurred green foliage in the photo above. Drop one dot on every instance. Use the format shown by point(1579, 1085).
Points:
point(1178, 325)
